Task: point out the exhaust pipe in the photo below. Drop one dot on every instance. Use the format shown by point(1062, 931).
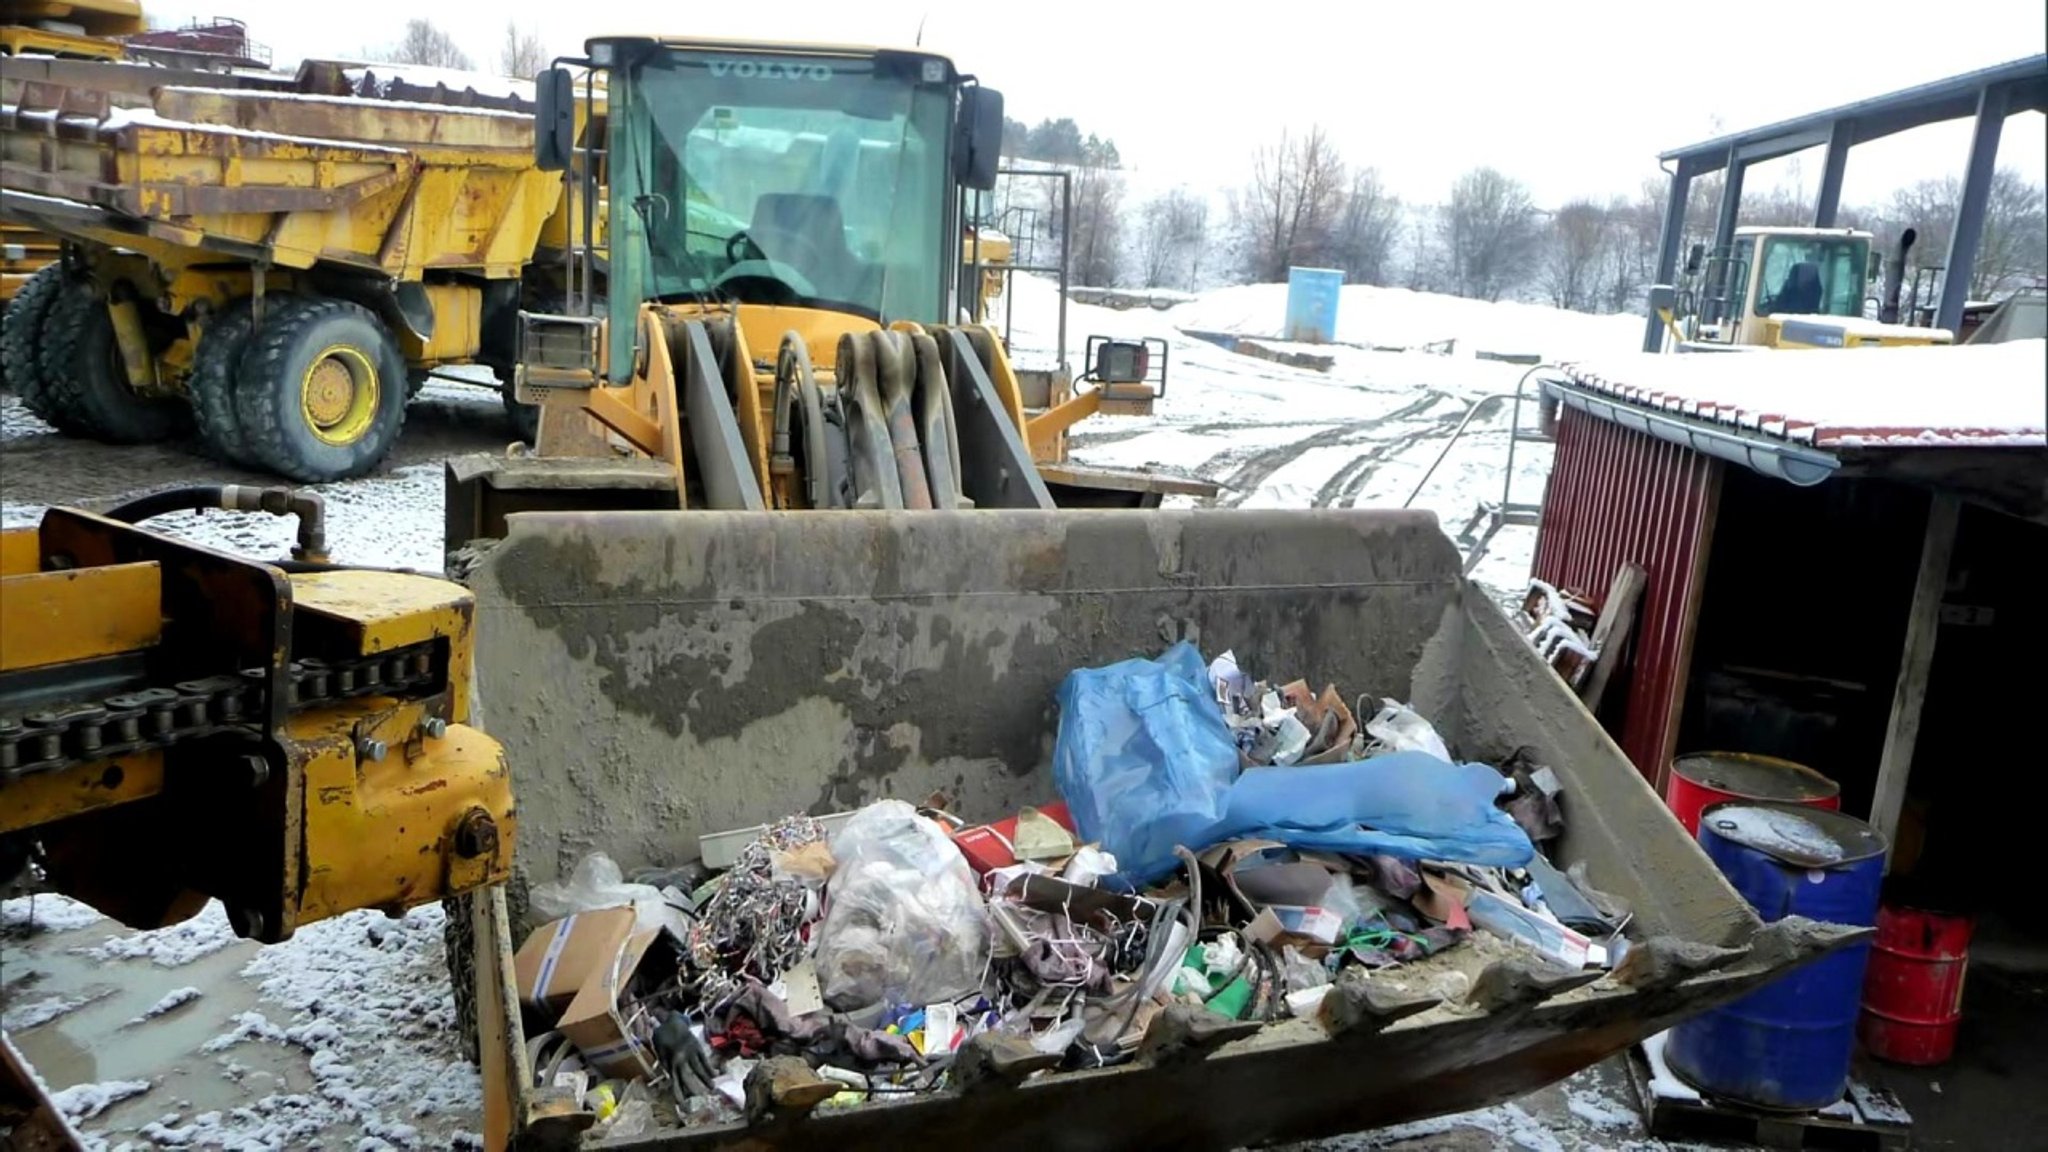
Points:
point(1895, 278)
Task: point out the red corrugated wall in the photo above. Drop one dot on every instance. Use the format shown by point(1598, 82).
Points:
point(1618, 495)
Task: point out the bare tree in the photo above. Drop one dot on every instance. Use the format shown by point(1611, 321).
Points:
point(2013, 250)
point(1574, 253)
point(521, 55)
point(1096, 236)
point(1779, 206)
point(1285, 214)
point(427, 44)
point(1489, 234)
point(1172, 239)
point(1425, 262)
point(1363, 240)
point(1634, 229)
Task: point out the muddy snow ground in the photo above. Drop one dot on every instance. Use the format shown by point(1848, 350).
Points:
point(344, 1036)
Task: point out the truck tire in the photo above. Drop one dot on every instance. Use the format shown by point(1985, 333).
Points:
point(21, 335)
point(321, 394)
point(215, 370)
point(84, 386)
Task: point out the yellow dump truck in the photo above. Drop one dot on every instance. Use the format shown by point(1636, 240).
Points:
point(63, 29)
point(280, 268)
point(79, 29)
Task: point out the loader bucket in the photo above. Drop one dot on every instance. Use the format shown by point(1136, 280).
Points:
point(655, 676)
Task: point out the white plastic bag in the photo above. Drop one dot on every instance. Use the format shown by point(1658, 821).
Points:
point(1399, 728)
point(905, 922)
point(597, 883)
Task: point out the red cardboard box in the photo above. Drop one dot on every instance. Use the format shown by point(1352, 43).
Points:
point(987, 846)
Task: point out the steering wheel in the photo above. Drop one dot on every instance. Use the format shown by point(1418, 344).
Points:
point(807, 254)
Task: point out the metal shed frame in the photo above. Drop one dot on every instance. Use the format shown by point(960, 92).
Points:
point(1988, 94)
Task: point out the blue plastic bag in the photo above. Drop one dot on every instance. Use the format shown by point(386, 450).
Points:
point(1143, 757)
point(1406, 804)
point(1145, 762)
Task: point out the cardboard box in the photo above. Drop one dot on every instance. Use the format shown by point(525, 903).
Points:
point(1310, 929)
point(597, 1022)
point(987, 846)
point(561, 956)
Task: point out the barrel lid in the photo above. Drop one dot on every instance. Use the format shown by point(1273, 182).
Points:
point(1754, 777)
point(1794, 833)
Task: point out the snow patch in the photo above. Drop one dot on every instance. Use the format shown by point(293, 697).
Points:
point(47, 911)
point(37, 1013)
point(1598, 1110)
point(372, 1011)
point(1398, 318)
point(174, 999)
point(1905, 397)
point(172, 947)
point(85, 1101)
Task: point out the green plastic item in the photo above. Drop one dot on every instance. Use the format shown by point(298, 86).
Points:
point(1234, 1001)
point(1231, 998)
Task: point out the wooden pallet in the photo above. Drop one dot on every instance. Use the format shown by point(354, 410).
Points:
point(1868, 1119)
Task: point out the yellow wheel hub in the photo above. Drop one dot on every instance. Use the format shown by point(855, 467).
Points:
point(338, 395)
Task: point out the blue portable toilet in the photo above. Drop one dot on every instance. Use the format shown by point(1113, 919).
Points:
point(1312, 304)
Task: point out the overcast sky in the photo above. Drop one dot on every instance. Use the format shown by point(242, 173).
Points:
point(1575, 98)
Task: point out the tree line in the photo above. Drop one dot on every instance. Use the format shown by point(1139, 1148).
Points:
point(1302, 204)
point(521, 53)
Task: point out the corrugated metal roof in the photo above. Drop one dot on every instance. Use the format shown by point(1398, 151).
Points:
point(1972, 396)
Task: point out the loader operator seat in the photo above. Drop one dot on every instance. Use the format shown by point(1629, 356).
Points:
point(1802, 291)
point(808, 233)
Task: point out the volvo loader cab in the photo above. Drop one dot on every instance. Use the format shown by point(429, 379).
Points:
point(778, 321)
point(1783, 287)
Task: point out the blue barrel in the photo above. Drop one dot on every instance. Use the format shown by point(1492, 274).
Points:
point(1312, 304)
point(1787, 1045)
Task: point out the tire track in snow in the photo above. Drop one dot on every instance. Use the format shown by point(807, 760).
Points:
point(1343, 489)
point(1244, 481)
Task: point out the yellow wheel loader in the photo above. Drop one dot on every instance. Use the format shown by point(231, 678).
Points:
point(1780, 287)
point(780, 318)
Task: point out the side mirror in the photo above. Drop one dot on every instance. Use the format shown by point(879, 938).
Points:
point(554, 120)
point(978, 138)
point(1693, 259)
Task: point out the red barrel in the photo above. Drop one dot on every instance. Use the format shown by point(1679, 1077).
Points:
point(1913, 988)
point(1705, 778)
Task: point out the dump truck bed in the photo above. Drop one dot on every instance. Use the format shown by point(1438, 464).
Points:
point(656, 676)
point(282, 178)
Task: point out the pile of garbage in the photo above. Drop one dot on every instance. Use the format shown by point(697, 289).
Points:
point(1223, 854)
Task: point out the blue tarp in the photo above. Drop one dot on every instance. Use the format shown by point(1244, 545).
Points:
point(1145, 762)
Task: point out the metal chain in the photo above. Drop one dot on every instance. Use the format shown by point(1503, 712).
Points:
point(129, 722)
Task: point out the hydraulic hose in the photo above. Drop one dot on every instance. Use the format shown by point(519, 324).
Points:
point(308, 507)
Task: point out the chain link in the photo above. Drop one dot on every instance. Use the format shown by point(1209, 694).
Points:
point(129, 722)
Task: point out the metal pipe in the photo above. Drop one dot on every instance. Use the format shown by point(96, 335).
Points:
point(307, 507)
point(1066, 255)
point(796, 384)
point(589, 177)
point(1895, 277)
point(975, 282)
point(1452, 442)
